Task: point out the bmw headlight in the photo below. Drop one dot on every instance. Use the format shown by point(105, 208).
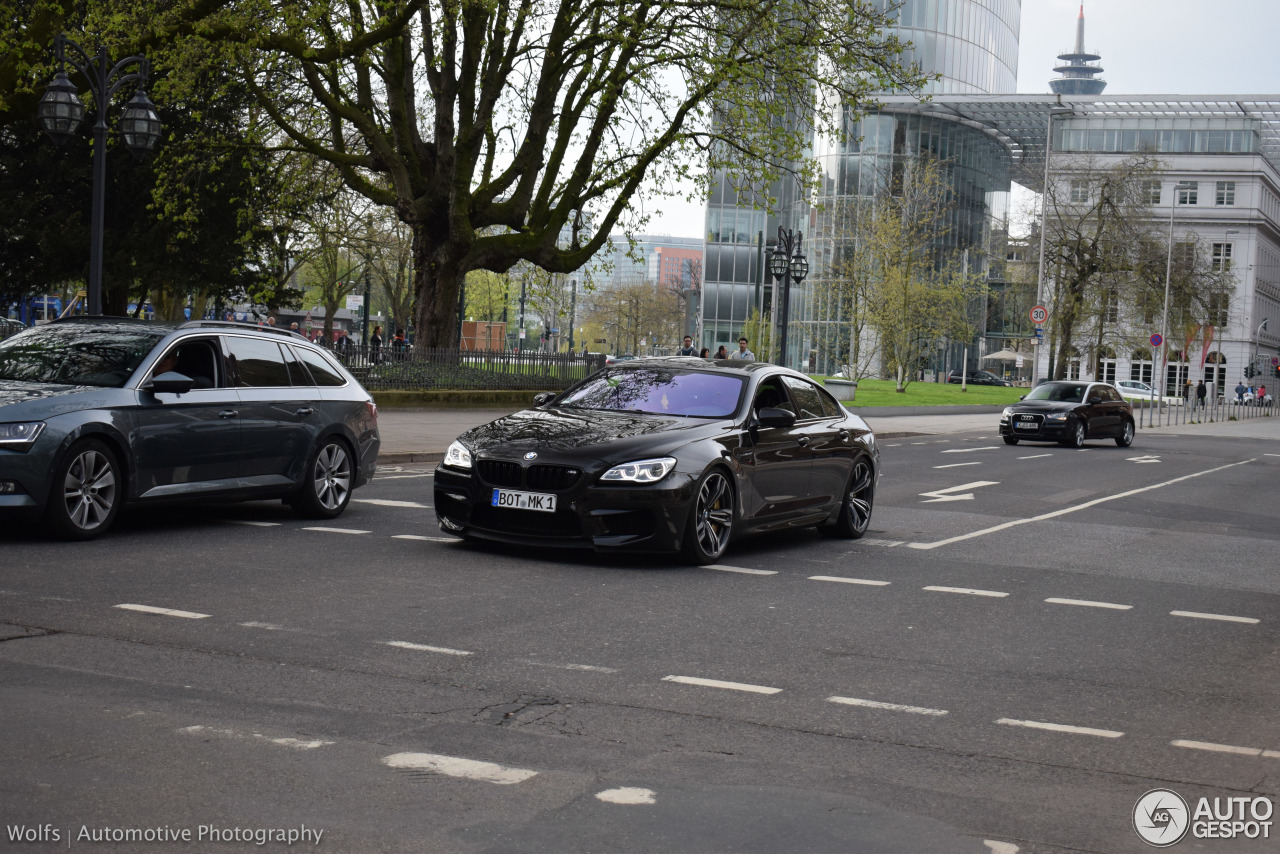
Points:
point(457, 456)
point(20, 435)
point(641, 471)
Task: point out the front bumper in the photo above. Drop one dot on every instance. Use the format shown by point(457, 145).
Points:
point(1044, 430)
point(624, 517)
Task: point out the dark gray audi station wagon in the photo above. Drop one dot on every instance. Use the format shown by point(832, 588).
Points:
point(97, 413)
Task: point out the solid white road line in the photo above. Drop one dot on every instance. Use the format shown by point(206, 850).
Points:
point(403, 476)
point(1223, 617)
point(337, 530)
point(453, 766)
point(892, 707)
point(271, 627)
point(387, 502)
point(957, 465)
point(715, 683)
point(425, 539)
point(1077, 730)
point(1226, 748)
point(1015, 523)
point(444, 650)
point(740, 569)
point(251, 523)
point(967, 591)
point(166, 612)
point(1087, 604)
point(1035, 456)
point(841, 580)
point(626, 796)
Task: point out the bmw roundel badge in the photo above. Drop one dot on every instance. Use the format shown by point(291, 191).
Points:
point(532, 455)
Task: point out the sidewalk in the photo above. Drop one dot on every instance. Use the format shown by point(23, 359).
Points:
point(423, 435)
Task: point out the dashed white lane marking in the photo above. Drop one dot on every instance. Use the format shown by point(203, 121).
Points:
point(251, 523)
point(1076, 730)
point(741, 569)
point(454, 766)
point(294, 743)
point(425, 539)
point(968, 450)
point(387, 502)
point(1000, 847)
point(967, 591)
point(1064, 511)
point(919, 443)
point(591, 668)
point(166, 612)
point(627, 796)
point(420, 647)
point(957, 465)
point(403, 476)
point(271, 627)
point(336, 530)
point(1035, 456)
point(716, 683)
point(1225, 748)
point(892, 707)
point(1223, 617)
point(1087, 604)
point(872, 541)
point(841, 580)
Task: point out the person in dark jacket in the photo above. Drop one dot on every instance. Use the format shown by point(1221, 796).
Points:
point(1201, 391)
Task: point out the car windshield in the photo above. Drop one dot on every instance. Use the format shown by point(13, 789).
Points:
point(1061, 392)
point(76, 354)
point(659, 391)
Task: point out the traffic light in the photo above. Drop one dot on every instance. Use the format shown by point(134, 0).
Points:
point(1249, 371)
point(1277, 369)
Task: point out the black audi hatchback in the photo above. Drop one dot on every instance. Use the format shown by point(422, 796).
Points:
point(97, 413)
point(664, 455)
point(1069, 412)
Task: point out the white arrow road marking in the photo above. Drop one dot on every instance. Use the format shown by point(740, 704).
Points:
point(1145, 459)
point(970, 450)
point(453, 766)
point(945, 494)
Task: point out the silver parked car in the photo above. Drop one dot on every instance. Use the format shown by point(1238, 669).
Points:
point(97, 413)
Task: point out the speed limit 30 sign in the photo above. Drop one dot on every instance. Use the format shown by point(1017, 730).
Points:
point(1039, 314)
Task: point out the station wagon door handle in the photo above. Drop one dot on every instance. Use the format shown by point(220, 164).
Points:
point(306, 410)
point(803, 441)
point(228, 413)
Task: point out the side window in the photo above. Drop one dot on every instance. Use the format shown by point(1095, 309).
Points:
point(256, 363)
point(807, 398)
point(771, 395)
point(322, 371)
point(297, 371)
point(196, 358)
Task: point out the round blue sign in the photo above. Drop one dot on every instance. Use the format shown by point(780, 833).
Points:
point(1157, 339)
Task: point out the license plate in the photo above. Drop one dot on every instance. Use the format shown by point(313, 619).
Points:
point(524, 500)
point(1025, 425)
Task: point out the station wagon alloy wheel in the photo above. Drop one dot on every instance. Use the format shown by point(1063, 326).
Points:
point(332, 475)
point(89, 480)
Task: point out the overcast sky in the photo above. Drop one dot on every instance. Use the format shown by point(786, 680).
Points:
point(1148, 47)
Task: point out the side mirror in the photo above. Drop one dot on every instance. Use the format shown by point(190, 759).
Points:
point(1024, 397)
point(171, 382)
point(544, 398)
point(1094, 400)
point(771, 417)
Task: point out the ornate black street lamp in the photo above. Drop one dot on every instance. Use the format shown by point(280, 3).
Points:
point(61, 111)
point(787, 264)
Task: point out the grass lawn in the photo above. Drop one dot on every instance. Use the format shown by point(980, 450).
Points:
point(883, 393)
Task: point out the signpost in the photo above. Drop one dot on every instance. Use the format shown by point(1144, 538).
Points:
point(1156, 339)
point(1039, 315)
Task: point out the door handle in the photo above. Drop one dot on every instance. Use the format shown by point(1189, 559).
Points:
point(844, 436)
point(228, 413)
point(306, 410)
point(804, 441)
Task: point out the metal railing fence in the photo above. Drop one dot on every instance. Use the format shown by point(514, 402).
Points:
point(421, 368)
point(1169, 411)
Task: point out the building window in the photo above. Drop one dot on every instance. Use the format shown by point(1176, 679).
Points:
point(1219, 302)
point(1226, 193)
point(1151, 192)
point(1189, 195)
point(1079, 192)
point(1221, 258)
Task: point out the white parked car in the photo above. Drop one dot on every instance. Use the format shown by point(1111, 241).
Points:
point(1138, 390)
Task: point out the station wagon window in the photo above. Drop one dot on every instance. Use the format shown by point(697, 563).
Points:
point(257, 363)
point(297, 372)
point(195, 358)
point(323, 373)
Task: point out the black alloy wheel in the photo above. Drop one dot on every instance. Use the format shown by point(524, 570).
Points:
point(326, 483)
point(855, 509)
point(86, 492)
point(1125, 439)
point(711, 519)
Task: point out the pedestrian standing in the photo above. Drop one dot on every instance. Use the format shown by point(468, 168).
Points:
point(1240, 390)
point(706, 353)
point(375, 345)
point(398, 345)
point(688, 348)
point(743, 353)
point(722, 353)
point(1201, 391)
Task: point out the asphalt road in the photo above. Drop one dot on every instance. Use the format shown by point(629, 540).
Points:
point(1028, 640)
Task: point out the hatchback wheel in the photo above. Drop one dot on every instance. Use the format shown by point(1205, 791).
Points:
point(855, 509)
point(1075, 435)
point(326, 484)
point(710, 523)
point(86, 492)
point(1011, 440)
point(1125, 439)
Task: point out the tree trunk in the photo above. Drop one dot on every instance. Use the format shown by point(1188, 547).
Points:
point(437, 283)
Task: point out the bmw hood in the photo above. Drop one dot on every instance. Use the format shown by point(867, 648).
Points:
point(594, 433)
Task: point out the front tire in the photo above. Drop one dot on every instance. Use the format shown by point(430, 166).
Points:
point(855, 508)
point(711, 518)
point(1125, 439)
point(86, 493)
point(1075, 435)
point(327, 481)
point(1011, 440)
